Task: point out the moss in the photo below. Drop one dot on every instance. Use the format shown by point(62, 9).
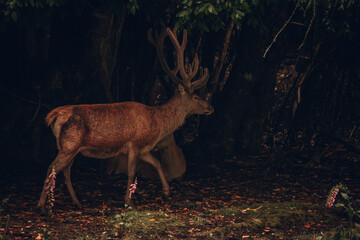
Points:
point(153, 225)
point(276, 216)
point(235, 220)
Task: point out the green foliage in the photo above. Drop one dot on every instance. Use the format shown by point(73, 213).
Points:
point(13, 8)
point(350, 207)
point(33, 11)
point(211, 15)
point(338, 17)
point(208, 15)
point(346, 204)
point(132, 6)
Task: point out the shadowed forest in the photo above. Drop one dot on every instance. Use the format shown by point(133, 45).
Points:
point(275, 156)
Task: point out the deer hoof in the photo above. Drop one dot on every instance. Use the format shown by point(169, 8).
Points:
point(42, 210)
point(129, 205)
point(78, 205)
point(166, 197)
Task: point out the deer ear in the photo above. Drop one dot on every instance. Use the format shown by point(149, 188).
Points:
point(181, 89)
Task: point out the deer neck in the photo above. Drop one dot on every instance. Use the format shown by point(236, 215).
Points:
point(172, 115)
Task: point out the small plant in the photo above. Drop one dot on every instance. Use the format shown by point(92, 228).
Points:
point(345, 202)
point(50, 201)
point(3, 202)
point(50, 191)
point(347, 205)
point(132, 190)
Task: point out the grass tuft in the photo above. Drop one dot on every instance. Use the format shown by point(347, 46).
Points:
point(134, 224)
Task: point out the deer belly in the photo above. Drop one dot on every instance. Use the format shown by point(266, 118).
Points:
point(102, 153)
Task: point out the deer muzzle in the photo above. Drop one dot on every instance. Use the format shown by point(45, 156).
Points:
point(209, 111)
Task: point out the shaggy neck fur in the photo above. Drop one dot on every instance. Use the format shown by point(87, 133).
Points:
point(173, 114)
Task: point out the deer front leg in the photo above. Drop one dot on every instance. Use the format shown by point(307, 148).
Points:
point(147, 157)
point(132, 158)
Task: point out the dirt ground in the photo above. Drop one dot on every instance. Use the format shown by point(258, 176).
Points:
point(198, 202)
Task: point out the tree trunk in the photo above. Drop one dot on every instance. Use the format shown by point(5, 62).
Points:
point(105, 39)
point(242, 108)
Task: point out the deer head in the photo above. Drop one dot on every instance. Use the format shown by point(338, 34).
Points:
point(186, 86)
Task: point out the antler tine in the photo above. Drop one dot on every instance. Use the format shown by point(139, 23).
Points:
point(202, 80)
point(158, 42)
point(186, 78)
point(180, 56)
point(150, 37)
point(194, 67)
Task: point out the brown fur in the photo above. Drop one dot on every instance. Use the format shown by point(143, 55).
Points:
point(108, 130)
point(65, 111)
point(172, 160)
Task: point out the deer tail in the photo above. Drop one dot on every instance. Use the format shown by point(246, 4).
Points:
point(64, 112)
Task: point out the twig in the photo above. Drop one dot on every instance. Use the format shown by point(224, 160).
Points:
point(23, 99)
point(297, 23)
point(283, 27)
point(36, 111)
point(311, 23)
point(352, 132)
point(227, 73)
point(199, 42)
point(307, 7)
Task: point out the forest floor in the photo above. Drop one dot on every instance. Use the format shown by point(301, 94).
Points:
point(250, 198)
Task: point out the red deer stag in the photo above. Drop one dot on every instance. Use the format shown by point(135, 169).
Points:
point(128, 128)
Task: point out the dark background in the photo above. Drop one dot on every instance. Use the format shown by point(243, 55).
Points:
point(77, 53)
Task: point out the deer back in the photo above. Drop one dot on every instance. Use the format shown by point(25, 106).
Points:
point(110, 125)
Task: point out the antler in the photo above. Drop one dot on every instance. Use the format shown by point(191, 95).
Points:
point(158, 42)
point(186, 77)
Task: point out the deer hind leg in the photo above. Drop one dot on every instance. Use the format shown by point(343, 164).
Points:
point(149, 158)
point(61, 161)
point(68, 137)
point(69, 186)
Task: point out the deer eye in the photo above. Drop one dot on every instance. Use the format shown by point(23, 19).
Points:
point(196, 97)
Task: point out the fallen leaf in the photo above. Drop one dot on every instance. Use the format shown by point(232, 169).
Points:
point(152, 219)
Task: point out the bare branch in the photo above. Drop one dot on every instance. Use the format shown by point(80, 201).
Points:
point(310, 25)
point(221, 60)
point(283, 27)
